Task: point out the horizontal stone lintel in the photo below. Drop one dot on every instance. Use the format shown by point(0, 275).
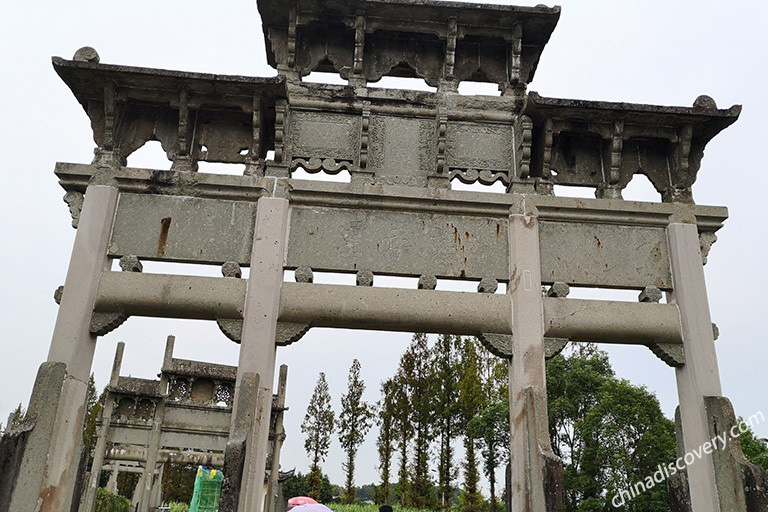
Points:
point(388, 309)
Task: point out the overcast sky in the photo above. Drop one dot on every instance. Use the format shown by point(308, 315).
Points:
point(654, 51)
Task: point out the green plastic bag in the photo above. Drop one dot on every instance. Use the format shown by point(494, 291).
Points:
point(207, 493)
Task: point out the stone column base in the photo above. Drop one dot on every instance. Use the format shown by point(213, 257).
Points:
point(741, 485)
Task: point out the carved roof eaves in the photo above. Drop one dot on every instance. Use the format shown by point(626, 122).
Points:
point(706, 121)
point(87, 81)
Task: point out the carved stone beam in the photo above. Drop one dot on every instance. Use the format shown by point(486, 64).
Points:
point(183, 159)
point(287, 332)
point(610, 188)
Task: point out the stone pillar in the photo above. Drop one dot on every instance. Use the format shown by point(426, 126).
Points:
point(101, 443)
point(153, 448)
point(536, 473)
point(156, 499)
point(699, 377)
point(277, 444)
point(112, 482)
point(74, 345)
point(249, 435)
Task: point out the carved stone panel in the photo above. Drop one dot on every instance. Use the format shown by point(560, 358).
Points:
point(324, 135)
point(185, 229)
point(402, 150)
point(604, 255)
point(402, 243)
point(480, 147)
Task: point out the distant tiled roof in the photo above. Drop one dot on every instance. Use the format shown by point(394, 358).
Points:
point(199, 369)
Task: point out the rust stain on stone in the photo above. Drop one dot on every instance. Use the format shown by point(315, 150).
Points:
point(165, 226)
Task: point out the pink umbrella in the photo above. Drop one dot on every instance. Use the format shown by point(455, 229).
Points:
point(301, 500)
point(311, 507)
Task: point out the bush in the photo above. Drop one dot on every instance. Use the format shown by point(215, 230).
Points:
point(179, 507)
point(108, 502)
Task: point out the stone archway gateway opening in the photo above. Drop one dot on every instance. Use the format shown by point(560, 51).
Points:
point(397, 216)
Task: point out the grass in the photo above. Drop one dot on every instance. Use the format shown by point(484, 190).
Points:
point(359, 507)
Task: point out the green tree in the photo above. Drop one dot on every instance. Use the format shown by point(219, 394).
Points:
point(492, 424)
point(178, 482)
point(354, 421)
point(94, 403)
point(471, 402)
point(384, 443)
point(609, 433)
point(419, 383)
point(755, 449)
point(445, 400)
point(318, 425)
point(16, 417)
point(403, 428)
point(301, 485)
point(491, 428)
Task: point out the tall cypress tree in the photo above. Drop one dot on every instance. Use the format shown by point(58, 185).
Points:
point(384, 443)
point(491, 425)
point(446, 409)
point(354, 422)
point(403, 426)
point(420, 385)
point(471, 402)
point(318, 425)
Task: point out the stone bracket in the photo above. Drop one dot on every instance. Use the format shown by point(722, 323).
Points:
point(501, 345)
point(287, 332)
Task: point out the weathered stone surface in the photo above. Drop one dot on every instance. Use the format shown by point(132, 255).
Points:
point(487, 285)
point(231, 269)
point(24, 483)
point(130, 263)
point(104, 323)
point(427, 282)
point(304, 275)
point(183, 229)
point(364, 278)
point(741, 485)
point(559, 290)
point(650, 294)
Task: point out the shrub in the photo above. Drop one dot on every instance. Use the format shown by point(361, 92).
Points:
point(179, 507)
point(108, 502)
